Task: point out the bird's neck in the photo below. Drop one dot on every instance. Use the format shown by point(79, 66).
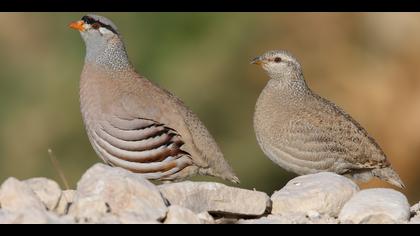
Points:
point(293, 82)
point(110, 56)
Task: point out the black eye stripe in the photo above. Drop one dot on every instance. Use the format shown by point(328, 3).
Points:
point(90, 21)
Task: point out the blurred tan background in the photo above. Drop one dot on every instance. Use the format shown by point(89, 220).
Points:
point(367, 63)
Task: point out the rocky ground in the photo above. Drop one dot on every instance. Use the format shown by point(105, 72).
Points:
point(113, 195)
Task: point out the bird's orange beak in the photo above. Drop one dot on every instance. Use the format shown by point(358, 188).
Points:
point(77, 25)
point(257, 61)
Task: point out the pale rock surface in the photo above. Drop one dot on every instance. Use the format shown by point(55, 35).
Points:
point(89, 209)
point(216, 198)
point(123, 218)
point(48, 191)
point(16, 196)
point(108, 195)
point(205, 218)
point(32, 216)
point(376, 206)
point(415, 212)
point(7, 217)
point(415, 220)
point(415, 209)
point(134, 218)
point(181, 215)
point(325, 193)
point(66, 199)
point(21, 205)
point(226, 220)
point(292, 218)
point(105, 190)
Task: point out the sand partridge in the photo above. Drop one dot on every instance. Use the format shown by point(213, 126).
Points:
point(134, 124)
point(305, 133)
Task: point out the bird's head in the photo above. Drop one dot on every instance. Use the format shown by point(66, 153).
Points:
point(95, 28)
point(104, 44)
point(278, 63)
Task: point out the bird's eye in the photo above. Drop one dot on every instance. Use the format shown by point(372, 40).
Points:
point(277, 59)
point(96, 25)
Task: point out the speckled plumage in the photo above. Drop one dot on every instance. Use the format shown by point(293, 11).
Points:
point(135, 124)
point(305, 133)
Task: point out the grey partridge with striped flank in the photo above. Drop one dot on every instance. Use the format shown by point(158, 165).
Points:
point(133, 123)
point(305, 133)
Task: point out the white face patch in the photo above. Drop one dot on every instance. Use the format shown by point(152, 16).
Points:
point(87, 26)
point(105, 30)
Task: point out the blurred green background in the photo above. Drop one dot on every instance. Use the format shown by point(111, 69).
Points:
point(368, 63)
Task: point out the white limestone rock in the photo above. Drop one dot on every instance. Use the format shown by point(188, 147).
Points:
point(415, 220)
point(17, 196)
point(48, 191)
point(205, 218)
point(181, 215)
point(7, 217)
point(325, 193)
point(216, 198)
point(20, 204)
point(376, 206)
point(32, 216)
point(66, 199)
point(415, 209)
point(112, 190)
point(292, 218)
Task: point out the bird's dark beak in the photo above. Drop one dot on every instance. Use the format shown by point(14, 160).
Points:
point(257, 61)
point(77, 25)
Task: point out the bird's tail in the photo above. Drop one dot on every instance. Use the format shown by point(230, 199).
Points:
point(389, 175)
point(234, 179)
point(227, 174)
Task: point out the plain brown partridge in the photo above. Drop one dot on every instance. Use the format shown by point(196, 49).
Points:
point(133, 123)
point(305, 133)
